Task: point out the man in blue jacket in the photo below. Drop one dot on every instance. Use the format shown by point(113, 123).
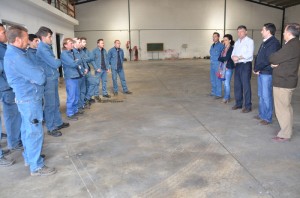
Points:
point(47, 60)
point(101, 66)
point(27, 80)
point(115, 59)
point(215, 52)
point(12, 118)
point(263, 69)
point(87, 58)
point(72, 74)
point(83, 69)
point(91, 81)
point(33, 44)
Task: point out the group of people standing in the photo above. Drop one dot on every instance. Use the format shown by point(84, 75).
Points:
point(29, 88)
point(276, 69)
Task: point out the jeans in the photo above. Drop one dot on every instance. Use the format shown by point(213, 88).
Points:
point(72, 89)
point(265, 96)
point(1, 155)
point(92, 86)
point(228, 75)
point(242, 86)
point(82, 91)
point(51, 106)
point(103, 78)
point(216, 83)
point(12, 118)
point(32, 133)
point(121, 74)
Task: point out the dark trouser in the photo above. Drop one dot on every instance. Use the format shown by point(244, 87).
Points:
point(242, 85)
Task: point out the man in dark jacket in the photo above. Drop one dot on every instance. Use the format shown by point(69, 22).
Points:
point(263, 69)
point(285, 78)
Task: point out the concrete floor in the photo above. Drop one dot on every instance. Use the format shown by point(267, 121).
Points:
point(168, 139)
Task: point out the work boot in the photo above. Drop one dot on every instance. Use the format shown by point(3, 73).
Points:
point(19, 147)
point(92, 100)
point(6, 162)
point(72, 118)
point(97, 98)
point(63, 125)
point(3, 136)
point(54, 133)
point(44, 171)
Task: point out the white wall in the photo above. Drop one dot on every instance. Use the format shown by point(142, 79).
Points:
point(293, 14)
point(172, 22)
point(34, 15)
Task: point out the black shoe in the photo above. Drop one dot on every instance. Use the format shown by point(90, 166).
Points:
point(43, 156)
point(54, 133)
point(106, 96)
point(115, 93)
point(3, 136)
point(63, 125)
point(73, 118)
point(246, 110)
point(128, 92)
point(218, 97)
point(97, 98)
point(92, 100)
point(87, 104)
point(235, 107)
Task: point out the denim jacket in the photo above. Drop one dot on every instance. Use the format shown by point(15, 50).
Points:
point(83, 65)
point(113, 59)
point(32, 54)
point(86, 58)
point(96, 54)
point(215, 51)
point(26, 78)
point(3, 81)
point(70, 65)
point(47, 60)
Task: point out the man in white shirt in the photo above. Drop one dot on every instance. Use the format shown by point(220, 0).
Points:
point(242, 56)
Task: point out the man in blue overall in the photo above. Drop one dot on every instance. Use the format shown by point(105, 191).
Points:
point(101, 66)
point(115, 59)
point(11, 115)
point(27, 80)
point(215, 52)
point(47, 60)
point(33, 44)
point(83, 71)
point(91, 83)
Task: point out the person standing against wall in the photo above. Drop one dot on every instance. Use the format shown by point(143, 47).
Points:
point(263, 69)
point(225, 58)
point(242, 56)
point(27, 80)
point(47, 60)
point(215, 52)
point(115, 59)
point(285, 79)
point(11, 115)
